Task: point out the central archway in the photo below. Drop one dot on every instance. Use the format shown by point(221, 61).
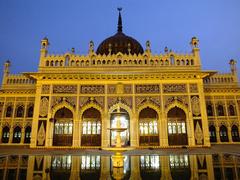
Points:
point(125, 123)
point(63, 128)
point(177, 128)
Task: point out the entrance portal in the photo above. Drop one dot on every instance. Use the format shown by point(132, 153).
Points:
point(148, 127)
point(91, 128)
point(124, 121)
point(63, 128)
point(177, 131)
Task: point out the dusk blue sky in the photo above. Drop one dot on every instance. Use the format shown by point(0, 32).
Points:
point(74, 23)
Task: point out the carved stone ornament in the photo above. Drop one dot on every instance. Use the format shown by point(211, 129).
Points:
point(111, 89)
point(92, 89)
point(196, 106)
point(198, 134)
point(193, 88)
point(71, 100)
point(43, 110)
point(66, 89)
point(147, 89)
point(128, 89)
point(41, 135)
point(174, 88)
point(45, 89)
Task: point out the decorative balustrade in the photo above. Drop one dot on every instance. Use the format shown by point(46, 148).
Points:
point(19, 79)
point(117, 60)
point(219, 79)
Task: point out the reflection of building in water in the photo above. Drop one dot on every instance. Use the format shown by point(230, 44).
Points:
point(150, 167)
point(169, 99)
point(121, 172)
point(135, 167)
point(13, 167)
point(61, 167)
point(226, 166)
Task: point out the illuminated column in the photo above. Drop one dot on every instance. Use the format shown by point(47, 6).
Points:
point(229, 134)
point(0, 134)
point(134, 130)
point(164, 130)
point(217, 134)
point(76, 132)
point(10, 135)
point(205, 127)
point(22, 135)
point(35, 117)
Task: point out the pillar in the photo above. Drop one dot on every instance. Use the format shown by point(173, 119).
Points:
point(22, 135)
point(229, 132)
point(217, 134)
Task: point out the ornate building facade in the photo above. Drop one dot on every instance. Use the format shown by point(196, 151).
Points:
point(167, 99)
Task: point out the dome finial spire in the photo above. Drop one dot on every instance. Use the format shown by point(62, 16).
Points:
point(119, 20)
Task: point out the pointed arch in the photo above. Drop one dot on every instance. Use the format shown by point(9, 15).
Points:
point(121, 105)
point(150, 105)
point(177, 104)
point(61, 105)
point(88, 106)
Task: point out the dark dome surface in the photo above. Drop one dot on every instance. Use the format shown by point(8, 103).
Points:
point(120, 43)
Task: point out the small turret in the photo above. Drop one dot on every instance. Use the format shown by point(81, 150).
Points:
point(195, 50)
point(233, 67)
point(44, 46)
point(148, 47)
point(91, 47)
point(6, 71)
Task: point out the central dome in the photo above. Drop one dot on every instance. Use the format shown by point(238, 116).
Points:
point(120, 43)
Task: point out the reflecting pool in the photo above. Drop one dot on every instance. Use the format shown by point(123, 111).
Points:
point(217, 166)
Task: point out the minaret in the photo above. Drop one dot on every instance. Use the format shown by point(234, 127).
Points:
point(233, 68)
point(195, 50)
point(6, 71)
point(44, 50)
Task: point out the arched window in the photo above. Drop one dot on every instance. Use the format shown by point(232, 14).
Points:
point(9, 111)
point(209, 110)
point(16, 135)
point(5, 134)
point(231, 110)
point(235, 134)
point(27, 137)
point(148, 127)
point(30, 111)
point(20, 111)
point(212, 133)
point(223, 134)
point(220, 110)
point(91, 128)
